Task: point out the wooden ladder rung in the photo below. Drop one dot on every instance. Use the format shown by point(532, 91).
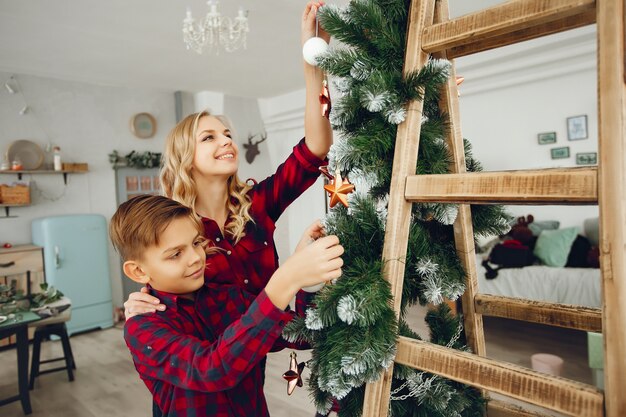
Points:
point(552, 392)
point(560, 315)
point(560, 186)
point(504, 409)
point(505, 24)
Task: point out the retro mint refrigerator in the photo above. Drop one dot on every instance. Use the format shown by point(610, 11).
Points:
point(76, 261)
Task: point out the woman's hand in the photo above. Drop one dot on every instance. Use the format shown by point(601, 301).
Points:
point(141, 303)
point(308, 22)
point(311, 234)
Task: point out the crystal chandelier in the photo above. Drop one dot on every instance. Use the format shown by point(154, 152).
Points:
point(216, 31)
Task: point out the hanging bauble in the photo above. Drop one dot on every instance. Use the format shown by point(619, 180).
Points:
point(313, 49)
point(314, 288)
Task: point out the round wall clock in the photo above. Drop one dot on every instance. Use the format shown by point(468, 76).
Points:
point(143, 125)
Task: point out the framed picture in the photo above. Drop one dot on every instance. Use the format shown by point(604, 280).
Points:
point(143, 125)
point(577, 127)
point(587, 158)
point(546, 138)
point(560, 153)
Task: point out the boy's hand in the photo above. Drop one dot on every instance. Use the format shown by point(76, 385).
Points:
point(316, 263)
point(141, 303)
point(310, 235)
point(308, 22)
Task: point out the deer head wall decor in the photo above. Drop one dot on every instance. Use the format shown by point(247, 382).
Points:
point(252, 149)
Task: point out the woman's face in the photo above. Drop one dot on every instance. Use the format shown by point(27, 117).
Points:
point(216, 153)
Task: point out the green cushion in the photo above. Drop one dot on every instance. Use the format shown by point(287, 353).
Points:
point(538, 226)
point(596, 350)
point(553, 246)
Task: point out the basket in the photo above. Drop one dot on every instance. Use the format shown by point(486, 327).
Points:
point(75, 167)
point(15, 194)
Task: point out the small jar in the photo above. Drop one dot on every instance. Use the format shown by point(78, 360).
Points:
point(17, 165)
point(5, 165)
point(58, 166)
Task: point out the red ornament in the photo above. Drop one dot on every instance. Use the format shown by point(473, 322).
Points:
point(294, 374)
point(338, 189)
point(325, 100)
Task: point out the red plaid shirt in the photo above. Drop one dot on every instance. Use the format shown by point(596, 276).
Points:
point(252, 261)
point(202, 357)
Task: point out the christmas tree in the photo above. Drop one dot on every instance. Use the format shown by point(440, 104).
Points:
point(352, 328)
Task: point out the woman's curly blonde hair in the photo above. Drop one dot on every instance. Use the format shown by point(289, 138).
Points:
point(178, 184)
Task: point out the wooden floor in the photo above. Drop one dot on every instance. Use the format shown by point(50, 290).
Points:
point(106, 384)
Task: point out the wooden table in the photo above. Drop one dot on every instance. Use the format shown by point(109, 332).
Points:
point(24, 264)
point(19, 328)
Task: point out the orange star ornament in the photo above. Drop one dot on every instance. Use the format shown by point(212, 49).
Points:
point(339, 190)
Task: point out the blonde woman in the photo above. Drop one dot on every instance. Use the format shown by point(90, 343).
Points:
point(200, 171)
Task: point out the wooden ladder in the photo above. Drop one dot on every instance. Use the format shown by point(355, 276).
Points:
point(431, 32)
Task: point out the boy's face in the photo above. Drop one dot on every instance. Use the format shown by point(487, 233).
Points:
point(176, 264)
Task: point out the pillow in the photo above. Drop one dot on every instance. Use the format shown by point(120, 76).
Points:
point(537, 227)
point(577, 257)
point(553, 246)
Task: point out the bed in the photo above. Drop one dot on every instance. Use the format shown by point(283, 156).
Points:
point(576, 286)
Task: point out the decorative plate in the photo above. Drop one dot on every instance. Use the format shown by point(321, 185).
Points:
point(3, 319)
point(143, 125)
point(28, 152)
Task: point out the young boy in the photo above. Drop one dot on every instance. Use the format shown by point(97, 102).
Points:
point(200, 357)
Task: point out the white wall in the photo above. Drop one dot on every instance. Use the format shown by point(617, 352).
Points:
point(283, 117)
point(512, 94)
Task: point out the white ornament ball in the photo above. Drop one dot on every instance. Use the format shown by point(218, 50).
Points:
point(313, 288)
point(313, 49)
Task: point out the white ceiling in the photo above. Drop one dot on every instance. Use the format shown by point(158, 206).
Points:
point(138, 43)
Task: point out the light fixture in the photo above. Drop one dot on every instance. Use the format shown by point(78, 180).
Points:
point(8, 86)
point(215, 31)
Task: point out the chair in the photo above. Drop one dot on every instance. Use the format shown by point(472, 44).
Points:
point(45, 328)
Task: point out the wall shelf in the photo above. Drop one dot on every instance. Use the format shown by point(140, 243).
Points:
point(7, 208)
point(41, 171)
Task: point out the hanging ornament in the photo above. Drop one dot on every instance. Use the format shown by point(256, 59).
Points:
point(315, 47)
point(325, 100)
point(314, 288)
point(294, 374)
point(338, 189)
point(459, 81)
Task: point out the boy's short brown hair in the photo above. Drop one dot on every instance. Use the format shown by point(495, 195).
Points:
point(138, 223)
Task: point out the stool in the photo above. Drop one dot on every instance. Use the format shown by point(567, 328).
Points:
point(45, 328)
